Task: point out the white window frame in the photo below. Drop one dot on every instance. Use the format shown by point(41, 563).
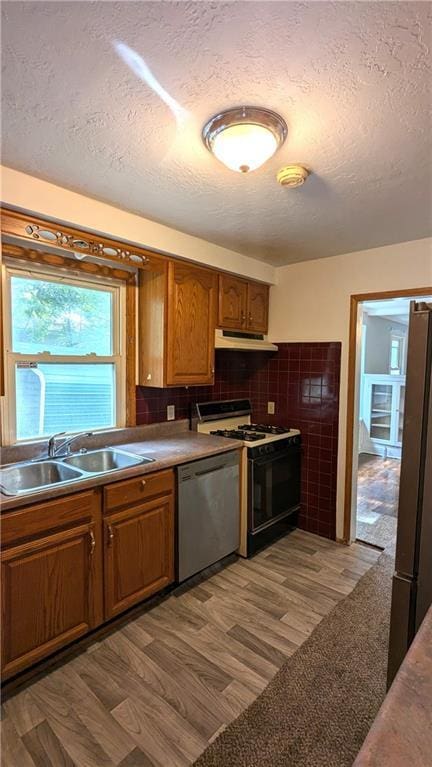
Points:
point(118, 357)
point(401, 347)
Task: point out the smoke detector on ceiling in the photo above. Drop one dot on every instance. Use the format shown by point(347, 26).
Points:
point(292, 175)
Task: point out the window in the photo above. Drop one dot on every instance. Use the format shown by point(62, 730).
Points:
point(396, 354)
point(64, 354)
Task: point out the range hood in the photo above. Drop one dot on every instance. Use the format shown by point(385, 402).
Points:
point(245, 342)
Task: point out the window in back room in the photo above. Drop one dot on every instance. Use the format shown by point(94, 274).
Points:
point(63, 354)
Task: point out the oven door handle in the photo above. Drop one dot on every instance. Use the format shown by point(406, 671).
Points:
point(250, 493)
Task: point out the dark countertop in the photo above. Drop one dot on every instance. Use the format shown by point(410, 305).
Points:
point(167, 453)
point(401, 735)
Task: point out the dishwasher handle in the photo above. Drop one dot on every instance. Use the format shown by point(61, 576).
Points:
point(210, 471)
point(205, 466)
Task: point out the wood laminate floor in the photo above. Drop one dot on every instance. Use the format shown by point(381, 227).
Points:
point(161, 687)
point(377, 499)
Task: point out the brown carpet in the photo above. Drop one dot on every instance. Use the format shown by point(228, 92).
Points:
point(317, 710)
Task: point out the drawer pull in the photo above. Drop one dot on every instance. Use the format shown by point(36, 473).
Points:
point(110, 535)
point(143, 483)
point(92, 542)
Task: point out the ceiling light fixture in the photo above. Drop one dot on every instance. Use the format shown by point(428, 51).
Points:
point(244, 138)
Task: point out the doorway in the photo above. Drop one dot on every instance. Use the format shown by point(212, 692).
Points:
point(377, 376)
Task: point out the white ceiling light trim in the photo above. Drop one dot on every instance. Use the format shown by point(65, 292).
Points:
point(244, 138)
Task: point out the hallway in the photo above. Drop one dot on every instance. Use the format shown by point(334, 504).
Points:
point(377, 499)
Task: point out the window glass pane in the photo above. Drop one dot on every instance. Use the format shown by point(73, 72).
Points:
point(60, 318)
point(53, 397)
point(395, 355)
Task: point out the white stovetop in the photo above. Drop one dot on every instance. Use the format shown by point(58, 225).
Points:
point(234, 423)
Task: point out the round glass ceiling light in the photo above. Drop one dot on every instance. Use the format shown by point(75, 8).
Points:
point(244, 138)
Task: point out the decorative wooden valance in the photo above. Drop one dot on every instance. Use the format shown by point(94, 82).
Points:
point(46, 232)
point(45, 258)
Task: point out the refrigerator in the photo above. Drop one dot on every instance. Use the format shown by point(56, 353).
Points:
point(412, 580)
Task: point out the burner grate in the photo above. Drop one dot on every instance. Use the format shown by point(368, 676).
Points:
point(264, 428)
point(237, 434)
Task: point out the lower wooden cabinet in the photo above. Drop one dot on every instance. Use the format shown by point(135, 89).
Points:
point(51, 584)
point(66, 568)
point(139, 553)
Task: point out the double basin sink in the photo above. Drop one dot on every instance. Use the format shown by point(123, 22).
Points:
point(30, 476)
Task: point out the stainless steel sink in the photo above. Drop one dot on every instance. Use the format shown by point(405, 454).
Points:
point(105, 459)
point(28, 477)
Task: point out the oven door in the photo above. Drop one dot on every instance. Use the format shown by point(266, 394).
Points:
point(274, 487)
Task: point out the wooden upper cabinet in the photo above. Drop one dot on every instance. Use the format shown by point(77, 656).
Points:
point(191, 325)
point(177, 311)
point(257, 307)
point(52, 582)
point(180, 305)
point(242, 305)
point(232, 302)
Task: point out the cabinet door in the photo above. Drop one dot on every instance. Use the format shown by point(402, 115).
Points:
point(139, 553)
point(257, 309)
point(232, 302)
point(381, 412)
point(191, 325)
point(48, 588)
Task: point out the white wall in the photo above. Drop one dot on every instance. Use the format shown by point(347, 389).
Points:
point(31, 194)
point(378, 343)
point(311, 302)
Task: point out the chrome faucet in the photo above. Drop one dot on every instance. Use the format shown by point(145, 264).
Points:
point(53, 451)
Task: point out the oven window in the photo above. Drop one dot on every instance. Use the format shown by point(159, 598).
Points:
point(275, 487)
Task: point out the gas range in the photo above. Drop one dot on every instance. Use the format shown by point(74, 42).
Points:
point(271, 465)
point(232, 419)
point(254, 435)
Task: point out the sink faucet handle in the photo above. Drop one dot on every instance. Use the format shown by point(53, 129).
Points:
point(51, 442)
point(65, 445)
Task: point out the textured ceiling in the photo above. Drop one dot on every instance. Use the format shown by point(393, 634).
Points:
point(352, 80)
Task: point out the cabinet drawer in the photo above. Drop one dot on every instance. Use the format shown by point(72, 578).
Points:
point(47, 517)
point(138, 489)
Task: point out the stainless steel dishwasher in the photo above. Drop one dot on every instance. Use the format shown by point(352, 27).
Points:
point(208, 512)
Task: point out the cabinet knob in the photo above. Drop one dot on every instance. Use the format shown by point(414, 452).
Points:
point(243, 318)
point(250, 317)
point(143, 483)
point(110, 535)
